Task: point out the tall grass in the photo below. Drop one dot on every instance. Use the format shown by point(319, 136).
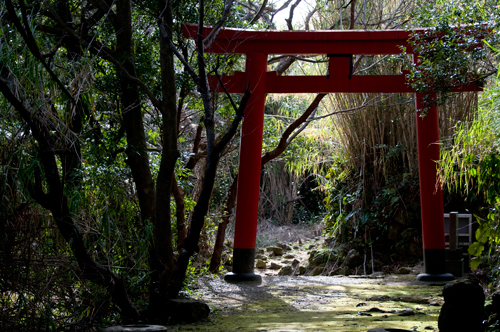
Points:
point(380, 140)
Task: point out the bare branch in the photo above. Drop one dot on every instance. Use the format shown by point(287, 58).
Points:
point(290, 18)
point(353, 10)
point(174, 49)
point(370, 66)
point(259, 13)
point(308, 18)
point(301, 129)
point(217, 26)
point(227, 93)
point(236, 121)
point(286, 4)
point(284, 142)
point(365, 104)
point(296, 57)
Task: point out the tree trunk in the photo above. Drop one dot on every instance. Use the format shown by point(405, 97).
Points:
point(221, 228)
point(180, 214)
point(169, 155)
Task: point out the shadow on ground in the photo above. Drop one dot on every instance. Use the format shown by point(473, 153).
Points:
point(318, 304)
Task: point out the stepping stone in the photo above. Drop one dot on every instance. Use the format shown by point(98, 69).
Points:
point(275, 250)
point(260, 264)
point(275, 266)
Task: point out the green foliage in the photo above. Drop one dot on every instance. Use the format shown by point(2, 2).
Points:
point(452, 51)
point(340, 199)
point(472, 165)
point(366, 217)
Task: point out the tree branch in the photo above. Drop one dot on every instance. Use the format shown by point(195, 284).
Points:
point(284, 141)
point(365, 104)
point(33, 47)
point(174, 49)
point(236, 121)
point(108, 55)
point(353, 8)
point(290, 18)
point(259, 13)
point(218, 25)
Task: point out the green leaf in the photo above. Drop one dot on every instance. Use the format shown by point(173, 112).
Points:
point(474, 262)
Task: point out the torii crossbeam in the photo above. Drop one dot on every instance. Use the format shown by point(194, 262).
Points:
point(340, 46)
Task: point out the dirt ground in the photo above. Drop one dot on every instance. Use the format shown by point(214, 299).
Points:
point(305, 303)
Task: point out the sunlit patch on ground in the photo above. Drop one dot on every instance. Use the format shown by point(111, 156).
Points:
point(318, 304)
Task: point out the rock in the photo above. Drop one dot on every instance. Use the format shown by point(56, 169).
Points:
point(275, 250)
point(318, 270)
point(260, 264)
point(312, 254)
point(187, 311)
point(296, 247)
point(275, 266)
point(319, 257)
point(284, 246)
point(361, 304)
point(295, 262)
point(353, 259)
point(286, 271)
point(406, 312)
point(403, 270)
point(289, 256)
point(463, 308)
point(302, 270)
point(362, 313)
point(375, 309)
point(261, 251)
point(286, 261)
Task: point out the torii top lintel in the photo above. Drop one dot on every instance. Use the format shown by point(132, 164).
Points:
point(241, 41)
point(340, 45)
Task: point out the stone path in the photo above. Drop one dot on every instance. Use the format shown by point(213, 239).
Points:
point(305, 303)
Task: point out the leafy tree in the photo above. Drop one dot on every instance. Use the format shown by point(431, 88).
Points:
point(96, 140)
point(92, 85)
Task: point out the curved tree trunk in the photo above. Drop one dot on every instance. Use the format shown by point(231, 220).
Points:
point(221, 228)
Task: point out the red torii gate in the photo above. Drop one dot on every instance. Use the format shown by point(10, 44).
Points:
point(340, 46)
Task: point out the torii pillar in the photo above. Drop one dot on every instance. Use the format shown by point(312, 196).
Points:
point(247, 197)
point(340, 46)
point(431, 194)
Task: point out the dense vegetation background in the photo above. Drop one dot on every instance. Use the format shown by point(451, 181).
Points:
point(119, 166)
